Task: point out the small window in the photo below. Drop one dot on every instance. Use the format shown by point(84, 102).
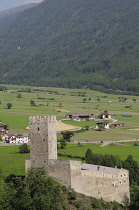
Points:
point(38, 128)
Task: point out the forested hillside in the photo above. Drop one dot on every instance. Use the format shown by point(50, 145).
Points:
point(74, 43)
point(7, 16)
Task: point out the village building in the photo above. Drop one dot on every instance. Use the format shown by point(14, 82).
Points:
point(118, 125)
point(104, 115)
point(79, 117)
point(3, 131)
point(106, 125)
point(17, 138)
point(110, 184)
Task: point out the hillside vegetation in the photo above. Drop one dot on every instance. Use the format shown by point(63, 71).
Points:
point(8, 16)
point(74, 44)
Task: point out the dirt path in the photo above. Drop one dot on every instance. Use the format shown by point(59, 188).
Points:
point(60, 126)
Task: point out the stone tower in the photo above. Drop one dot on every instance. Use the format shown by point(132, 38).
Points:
point(43, 142)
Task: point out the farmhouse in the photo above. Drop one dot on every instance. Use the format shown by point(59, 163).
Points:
point(79, 117)
point(106, 125)
point(111, 184)
point(104, 115)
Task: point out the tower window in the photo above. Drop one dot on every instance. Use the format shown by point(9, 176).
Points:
point(38, 128)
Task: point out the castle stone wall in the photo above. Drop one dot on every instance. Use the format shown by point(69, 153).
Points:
point(97, 181)
point(60, 170)
point(105, 185)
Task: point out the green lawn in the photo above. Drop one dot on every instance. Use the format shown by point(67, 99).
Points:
point(11, 162)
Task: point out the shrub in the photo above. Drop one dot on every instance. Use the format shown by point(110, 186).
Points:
point(77, 203)
point(72, 195)
point(24, 148)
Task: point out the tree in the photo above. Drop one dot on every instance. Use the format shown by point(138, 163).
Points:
point(23, 148)
point(134, 197)
point(0, 138)
point(19, 95)
point(32, 103)
point(84, 100)
point(9, 105)
point(35, 191)
point(89, 156)
point(60, 104)
point(101, 127)
point(133, 168)
point(67, 135)
point(134, 99)
point(87, 127)
point(63, 143)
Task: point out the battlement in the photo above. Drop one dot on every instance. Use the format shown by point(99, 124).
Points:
point(49, 119)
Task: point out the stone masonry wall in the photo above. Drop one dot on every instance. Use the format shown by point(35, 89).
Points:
point(97, 183)
point(43, 142)
point(108, 186)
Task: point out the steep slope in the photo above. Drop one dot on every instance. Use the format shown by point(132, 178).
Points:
point(76, 43)
point(7, 16)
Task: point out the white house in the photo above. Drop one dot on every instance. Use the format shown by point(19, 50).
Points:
point(17, 138)
point(106, 125)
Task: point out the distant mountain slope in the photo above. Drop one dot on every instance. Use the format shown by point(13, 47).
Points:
point(7, 16)
point(74, 43)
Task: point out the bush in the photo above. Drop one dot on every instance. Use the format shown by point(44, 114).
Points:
point(72, 195)
point(9, 105)
point(96, 203)
point(77, 204)
point(24, 148)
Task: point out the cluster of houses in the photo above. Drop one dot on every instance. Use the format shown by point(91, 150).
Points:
point(14, 138)
point(103, 119)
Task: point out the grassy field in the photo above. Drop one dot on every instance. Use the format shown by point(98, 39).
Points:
point(11, 162)
point(59, 101)
point(121, 151)
point(56, 101)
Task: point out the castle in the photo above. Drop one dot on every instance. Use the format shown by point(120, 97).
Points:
point(111, 184)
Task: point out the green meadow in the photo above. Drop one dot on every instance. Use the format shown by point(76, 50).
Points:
point(57, 101)
point(11, 162)
point(121, 151)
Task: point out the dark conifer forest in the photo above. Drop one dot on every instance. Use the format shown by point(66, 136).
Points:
point(73, 44)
